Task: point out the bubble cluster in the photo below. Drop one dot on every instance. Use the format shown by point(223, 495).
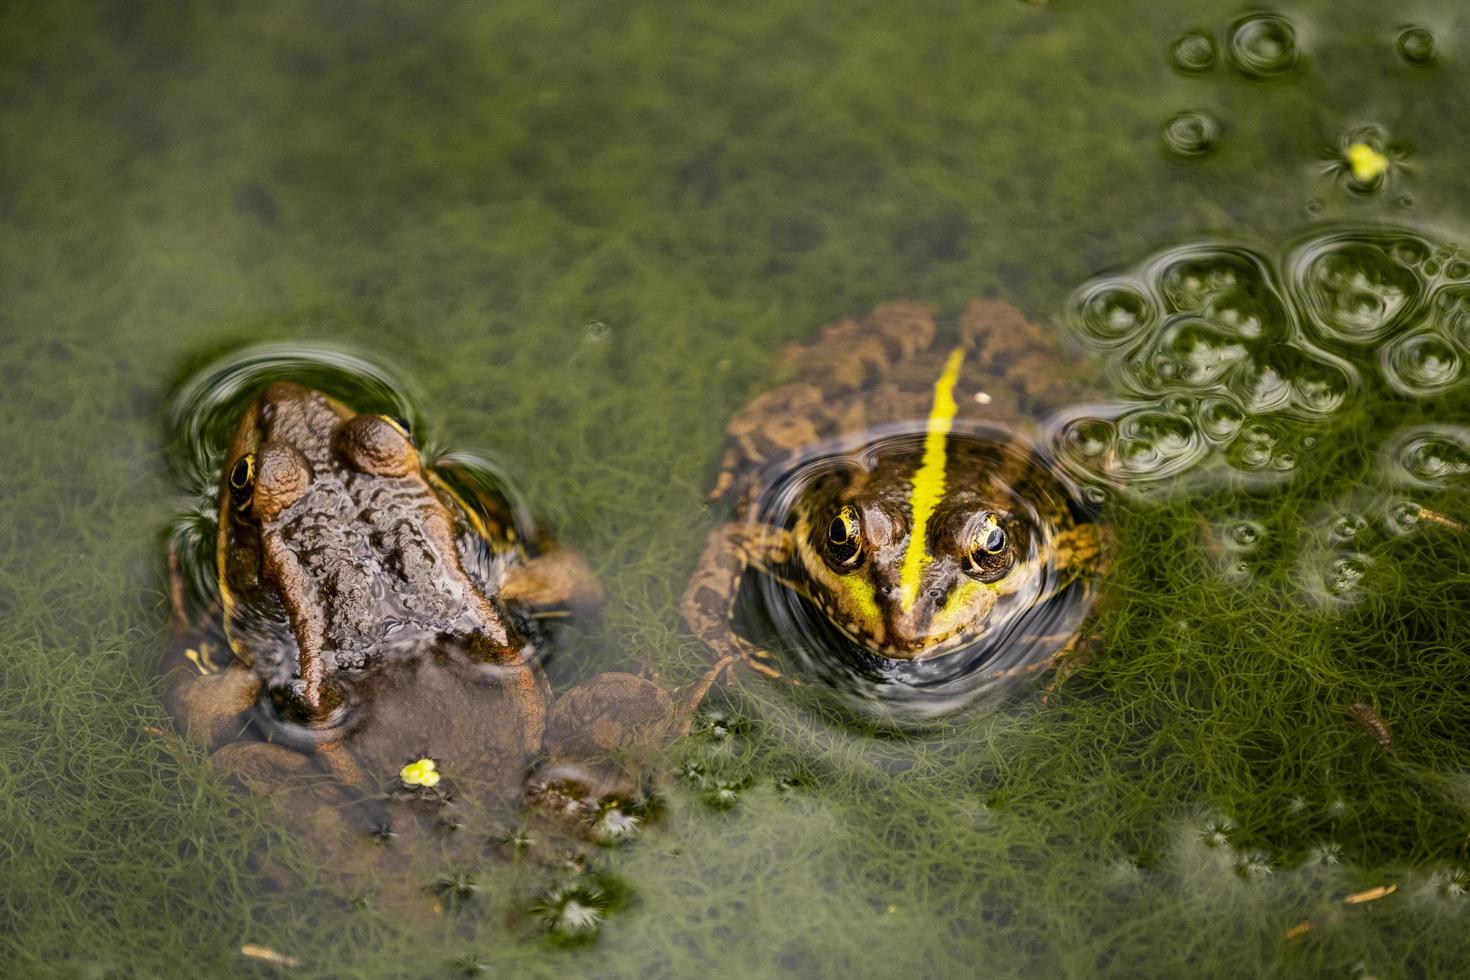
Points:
point(1228, 356)
point(1235, 544)
point(1337, 540)
point(1263, 46)
point(1204, 334)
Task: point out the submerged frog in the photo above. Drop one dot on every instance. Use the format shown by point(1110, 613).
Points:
point(925, 519)
point(372, 646)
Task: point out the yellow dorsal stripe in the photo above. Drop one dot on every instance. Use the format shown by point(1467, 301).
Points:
point(928, 483)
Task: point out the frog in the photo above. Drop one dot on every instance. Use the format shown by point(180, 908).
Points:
point(371, 661)
point(941, 521)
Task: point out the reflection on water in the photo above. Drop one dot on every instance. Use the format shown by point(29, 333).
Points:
point(478, 190)
point(1236, 358)
point(1263, 46)
point(1035, 616)
point(362, 643)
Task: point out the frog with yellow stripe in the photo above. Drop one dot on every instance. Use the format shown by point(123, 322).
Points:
point(897, 487)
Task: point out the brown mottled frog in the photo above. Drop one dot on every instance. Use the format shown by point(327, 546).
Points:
point(926, 518)
point(371, 652)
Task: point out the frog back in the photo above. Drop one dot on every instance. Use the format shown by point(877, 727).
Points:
point(877, 374)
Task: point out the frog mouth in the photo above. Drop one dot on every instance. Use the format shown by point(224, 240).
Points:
point(923, 649)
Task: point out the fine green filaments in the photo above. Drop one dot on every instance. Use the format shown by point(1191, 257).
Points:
point(928, 484)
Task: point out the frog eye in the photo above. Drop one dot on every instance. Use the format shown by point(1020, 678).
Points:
point(845, 538)
point(988, 556)
point(242, 481)
point(401, 424)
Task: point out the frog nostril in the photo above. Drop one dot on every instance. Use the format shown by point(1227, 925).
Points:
point(935, 594)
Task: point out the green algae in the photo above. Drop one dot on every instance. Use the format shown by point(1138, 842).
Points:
point(584, 232)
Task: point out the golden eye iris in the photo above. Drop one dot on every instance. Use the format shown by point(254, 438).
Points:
point(242, 480)
point(989, 555)
point(844, 538)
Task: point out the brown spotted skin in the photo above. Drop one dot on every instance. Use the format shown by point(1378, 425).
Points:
point(339, 558)
point(857, 377)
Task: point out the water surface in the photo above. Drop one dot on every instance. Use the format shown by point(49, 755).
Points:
point(584, 232)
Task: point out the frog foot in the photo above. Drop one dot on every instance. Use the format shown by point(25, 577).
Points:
point(552, 584)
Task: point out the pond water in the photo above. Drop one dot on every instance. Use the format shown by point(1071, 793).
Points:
point(583, 235)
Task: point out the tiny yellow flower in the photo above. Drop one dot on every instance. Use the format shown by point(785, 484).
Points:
point(1366, 163)
point(421, 773)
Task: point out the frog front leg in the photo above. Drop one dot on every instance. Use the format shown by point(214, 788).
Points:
point(551, 584)
point(709, 602)
point(208, 693)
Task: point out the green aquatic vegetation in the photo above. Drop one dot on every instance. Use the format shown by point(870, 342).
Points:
point(585, 232)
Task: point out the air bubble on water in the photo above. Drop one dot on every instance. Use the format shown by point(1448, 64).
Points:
point(1451, 316)
point(1345, 575)
point(1197, 353)
point(1191, 133)
point(1430, 456)
point(1139, 455)
point(1206, 335)
point(1164, 366)
point(1320, 389)
point(1178, 404)
point(1355, 291)
point(1220, 418)
point(1157, 443)
point(1254, 447)
point(1346, 527)
point(1253, 457)
point(1193, 53)
point(1416, 45)
point(1421, 364)
point(1263, 46)
point(1261, 386)
point(1112, 311)
point(596, 331)
point(1191, 276)
point(1261, 434)
point(1244, 534)
point(1088, 438)
point(1410, 252)
point(1404, 516)
point(1246, 314)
